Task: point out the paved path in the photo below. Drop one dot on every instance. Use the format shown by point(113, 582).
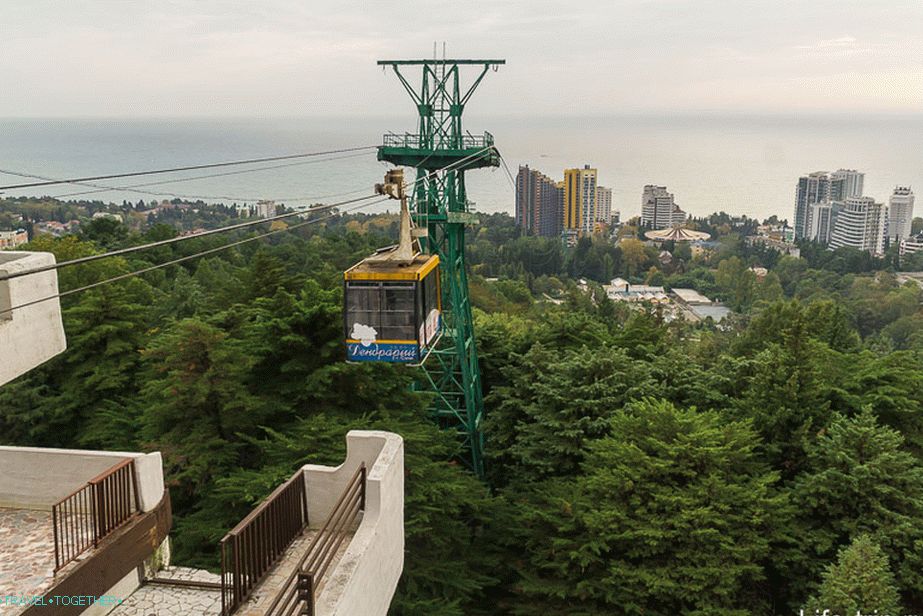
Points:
point(164, 600)
point(26, 554)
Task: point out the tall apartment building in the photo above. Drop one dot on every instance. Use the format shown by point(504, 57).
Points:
point(861, 224)
point(812, 188)
point(539, 203)
point(658, 209)
point(821, 219)
point(900, 212)
point(580, 199)
point(846, 183)
point(603, 205)
point(265, 209)
point(814, 216)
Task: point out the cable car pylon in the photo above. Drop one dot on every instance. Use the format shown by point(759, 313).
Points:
point(441, 152)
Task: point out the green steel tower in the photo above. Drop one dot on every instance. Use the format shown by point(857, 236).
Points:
point(441, 152)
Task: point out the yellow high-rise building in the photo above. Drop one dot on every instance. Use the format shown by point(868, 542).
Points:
point(580, 199)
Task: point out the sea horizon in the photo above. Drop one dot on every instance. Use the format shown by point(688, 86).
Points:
point(739, 163)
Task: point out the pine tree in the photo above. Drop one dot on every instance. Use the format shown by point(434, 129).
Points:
point(859, 582)
point(555, 404)
point(673, 514)
point(860, 480)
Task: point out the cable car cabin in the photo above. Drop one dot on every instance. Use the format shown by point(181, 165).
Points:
point(393, 312)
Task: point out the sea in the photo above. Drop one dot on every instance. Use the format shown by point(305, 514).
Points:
point(743, 165)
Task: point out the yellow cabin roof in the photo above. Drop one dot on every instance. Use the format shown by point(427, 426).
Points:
point(383, 270)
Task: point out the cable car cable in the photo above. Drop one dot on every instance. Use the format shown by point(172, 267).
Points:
point(179, 260)
point(179, 238)
point(188, 168)
point(134, 187)
point(173, 240)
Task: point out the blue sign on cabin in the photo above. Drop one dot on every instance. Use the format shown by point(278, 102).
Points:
point(397, 352)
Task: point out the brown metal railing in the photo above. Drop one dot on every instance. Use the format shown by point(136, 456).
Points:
point(86, 516)
point(252, 547)
point(300, 590)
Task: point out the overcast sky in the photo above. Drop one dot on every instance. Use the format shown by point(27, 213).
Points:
point(316, 58)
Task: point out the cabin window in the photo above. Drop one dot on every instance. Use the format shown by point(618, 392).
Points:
point(397, 313)
point(386, 307)
point(363, 306)
point(430, 295)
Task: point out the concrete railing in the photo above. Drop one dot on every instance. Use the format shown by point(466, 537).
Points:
point(34, 334)
point(37, 478)
point(366, 575)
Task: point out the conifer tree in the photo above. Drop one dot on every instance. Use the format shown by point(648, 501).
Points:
point(861, 480)
point(859, 582)
point(672, 514)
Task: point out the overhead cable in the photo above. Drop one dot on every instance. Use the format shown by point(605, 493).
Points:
point(187, 168)
point(173, 240)
point(136, 188)
point(177, 260)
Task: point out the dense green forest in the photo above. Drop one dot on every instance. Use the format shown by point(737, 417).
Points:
point(636, 466)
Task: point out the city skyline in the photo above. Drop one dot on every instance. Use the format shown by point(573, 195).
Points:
point(280, 58)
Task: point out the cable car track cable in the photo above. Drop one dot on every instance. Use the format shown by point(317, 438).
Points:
point(134, 187)
point(177, 239)
point(188, 168)
point(174, 240)
point(178, 260)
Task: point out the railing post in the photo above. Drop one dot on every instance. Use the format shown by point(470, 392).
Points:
point(238, 591)
point(98, 513)
point(224, 577)
point(134, 485)
point(54, 524)
point(362, 489)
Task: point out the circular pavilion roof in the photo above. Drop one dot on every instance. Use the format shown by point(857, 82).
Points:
point(677, 234)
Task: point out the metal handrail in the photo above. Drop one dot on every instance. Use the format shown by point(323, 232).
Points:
point(252, 548)
point(412, 140)
point(298, 595)
point(93, 511)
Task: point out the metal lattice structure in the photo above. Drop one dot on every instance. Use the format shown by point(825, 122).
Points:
point(441, 152)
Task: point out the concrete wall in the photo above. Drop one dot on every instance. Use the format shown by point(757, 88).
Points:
point(37, 478)
point(32, 335)
point(365, 578)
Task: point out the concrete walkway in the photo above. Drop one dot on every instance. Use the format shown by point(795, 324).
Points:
point(26, 554)
point(165, 600)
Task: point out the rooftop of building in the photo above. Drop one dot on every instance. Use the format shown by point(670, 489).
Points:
point(690, 296)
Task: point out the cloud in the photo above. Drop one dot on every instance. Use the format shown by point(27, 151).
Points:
point(285, 57)
point(835, 43)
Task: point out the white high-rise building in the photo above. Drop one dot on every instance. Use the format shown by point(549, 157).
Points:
point(812, 188)
point(861, 224)
point(603, 204)
point(846, 183)
point(820, 221)
point(265, 209)
point(658, 210)
point(900, 212)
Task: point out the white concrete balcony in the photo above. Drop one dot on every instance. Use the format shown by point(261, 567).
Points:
point(329, 541)
point(34, 334)
point(77, 523)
